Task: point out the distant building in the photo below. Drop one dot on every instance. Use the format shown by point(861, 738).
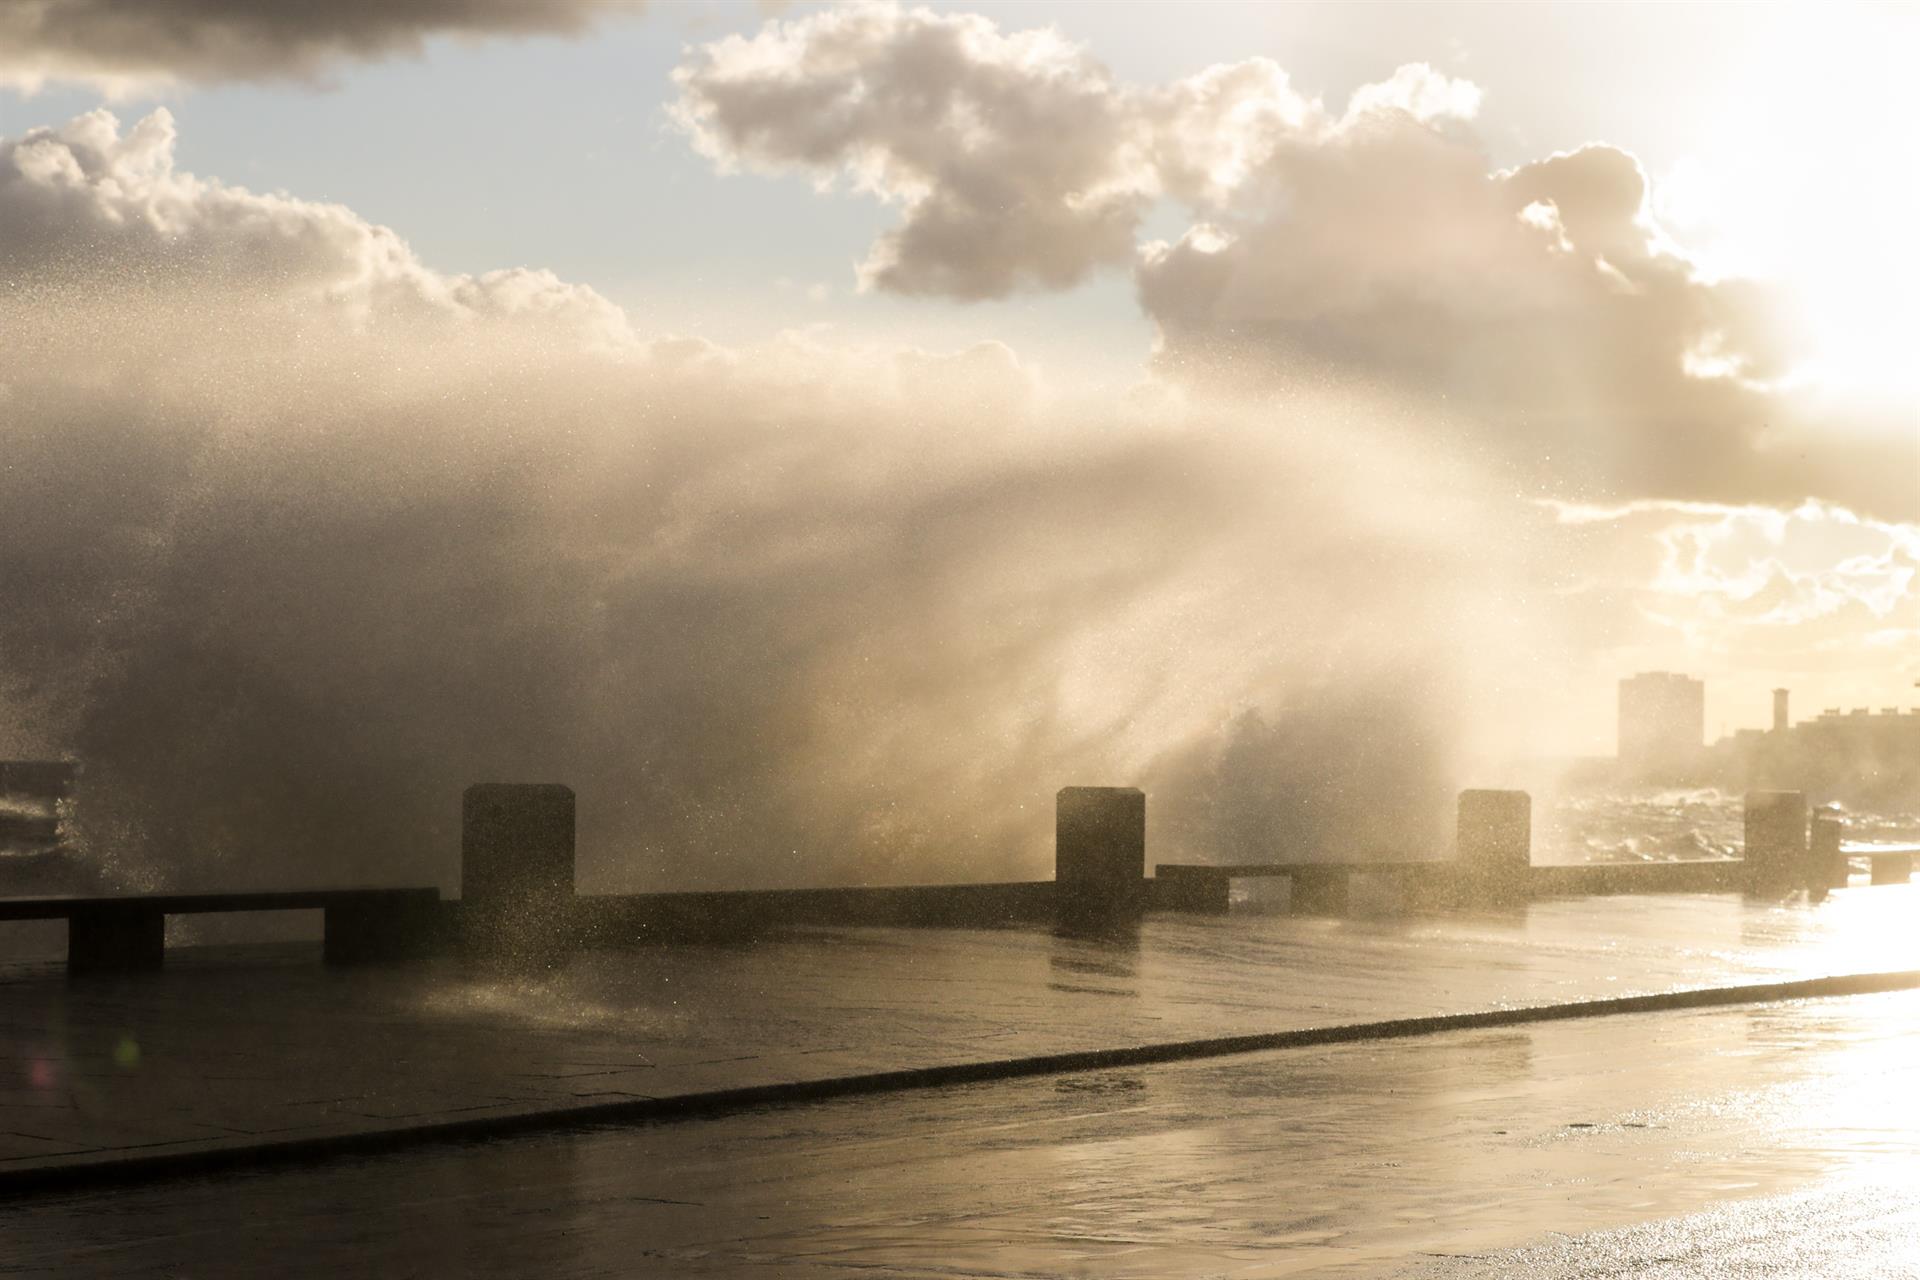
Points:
point(1663, 725)
point(1854, 756)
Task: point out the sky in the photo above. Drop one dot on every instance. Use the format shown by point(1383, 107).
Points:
point(1090, 377)
point(1764, 126)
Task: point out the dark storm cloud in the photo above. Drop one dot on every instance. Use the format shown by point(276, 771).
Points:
point(108, 41)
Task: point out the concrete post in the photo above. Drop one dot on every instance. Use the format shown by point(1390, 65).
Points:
point(516, 867)
point(1494, 837)
point(1776, 840)
point(1100, 851)
point(1828, 866)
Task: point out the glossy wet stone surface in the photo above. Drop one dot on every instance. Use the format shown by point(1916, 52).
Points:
point(234, 1047)
point(1690, 1143)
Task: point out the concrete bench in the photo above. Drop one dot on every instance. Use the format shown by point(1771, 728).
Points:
point(127, 933)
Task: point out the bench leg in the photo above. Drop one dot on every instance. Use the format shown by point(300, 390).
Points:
point(117, 939)
point(364, 932)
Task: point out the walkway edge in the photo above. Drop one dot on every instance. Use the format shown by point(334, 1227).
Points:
point(82, 1174)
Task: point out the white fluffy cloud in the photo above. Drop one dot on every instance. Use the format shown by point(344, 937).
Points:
point(1017, 159)
point(87, 200)
point(120, 43)
point(1537, 311)
point(1817, 569)
point(1536, 317)
point(1013, 157)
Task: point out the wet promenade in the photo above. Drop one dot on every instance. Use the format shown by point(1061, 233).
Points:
point(1772, 1140)
point(229, 1049)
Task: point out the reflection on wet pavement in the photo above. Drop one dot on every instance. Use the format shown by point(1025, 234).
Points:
point(1842, 1231)
point(1357, 1159)
point(230, 1048)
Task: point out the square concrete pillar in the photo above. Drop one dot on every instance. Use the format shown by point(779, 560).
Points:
point(1776, 840)
point(116, 937)
point(1100, 850)
point(516, 865)
point(1828, 865)
point(1494, 844)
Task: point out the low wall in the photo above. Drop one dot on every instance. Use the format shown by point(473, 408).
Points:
point(1706, 875)
point(740, 915)
point(731, 916)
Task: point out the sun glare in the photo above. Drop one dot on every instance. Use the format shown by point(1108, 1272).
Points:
point(1807, 175)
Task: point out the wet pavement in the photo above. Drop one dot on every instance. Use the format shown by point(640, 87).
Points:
point(1772, 1140)
point(1844, 1230)
point(228, 1049)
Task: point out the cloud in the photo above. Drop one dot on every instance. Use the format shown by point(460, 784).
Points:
point(1018, 160)
point(1781, 569)
point(1537, 312)
point(1537, 318)
point(1009, 155)
point(1750, 596)
point(87, 201)
point(119, 44)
